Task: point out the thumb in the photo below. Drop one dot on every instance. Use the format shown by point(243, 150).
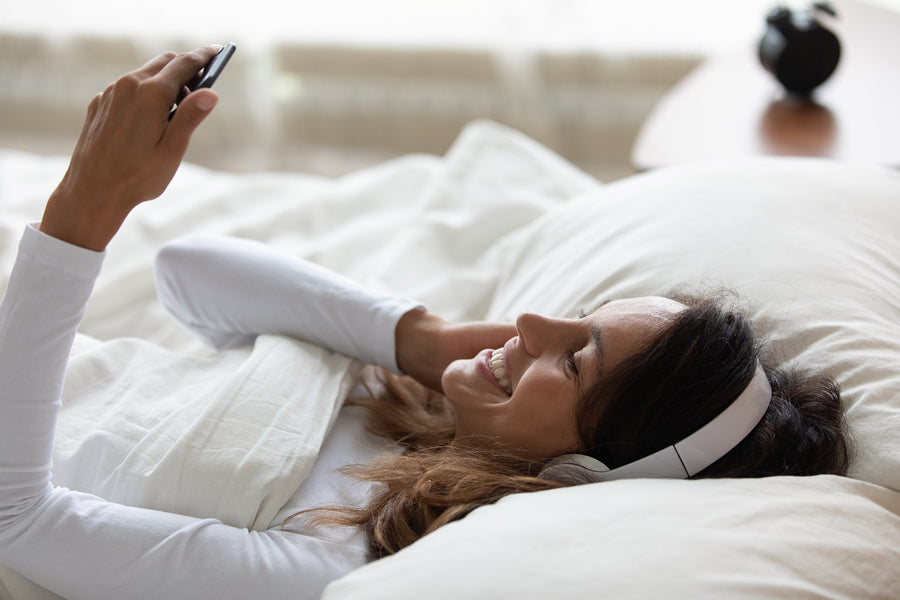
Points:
point(192, 111)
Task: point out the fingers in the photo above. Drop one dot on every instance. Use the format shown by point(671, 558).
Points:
point(194, 107)
point(155, 65)
point(191, 112)
point(184, 67)
point(170, 72)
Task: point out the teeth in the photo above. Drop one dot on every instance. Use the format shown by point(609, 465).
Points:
point(499, 371)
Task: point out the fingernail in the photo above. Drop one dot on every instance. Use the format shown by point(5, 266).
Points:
point(206, 102)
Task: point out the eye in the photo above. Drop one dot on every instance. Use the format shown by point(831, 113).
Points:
point(570, 362)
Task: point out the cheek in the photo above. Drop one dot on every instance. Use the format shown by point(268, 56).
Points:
point(545, 416)
point(541, 434)
point(544, 390)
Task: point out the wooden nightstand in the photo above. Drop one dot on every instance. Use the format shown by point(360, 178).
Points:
point(730, 106)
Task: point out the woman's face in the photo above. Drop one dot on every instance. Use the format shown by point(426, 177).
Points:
point(524, 394)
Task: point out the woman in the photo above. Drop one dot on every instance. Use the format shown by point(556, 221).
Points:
point(487, 409)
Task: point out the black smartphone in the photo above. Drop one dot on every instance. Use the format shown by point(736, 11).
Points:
point(211, 71)
point(208, 74)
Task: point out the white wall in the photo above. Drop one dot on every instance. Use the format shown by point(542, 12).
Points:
point(608, 25)
point(327, 86)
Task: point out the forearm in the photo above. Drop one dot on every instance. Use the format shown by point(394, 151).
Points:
point(229, 290)
point(39, 315)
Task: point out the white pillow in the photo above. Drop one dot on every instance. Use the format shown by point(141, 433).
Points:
point(814, 247)
point(782, 537)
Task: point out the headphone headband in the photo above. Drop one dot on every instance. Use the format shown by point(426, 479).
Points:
point(685, 458)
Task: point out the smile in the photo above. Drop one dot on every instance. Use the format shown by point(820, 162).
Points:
point(498, 370)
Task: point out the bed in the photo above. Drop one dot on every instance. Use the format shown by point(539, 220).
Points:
point(500, 225)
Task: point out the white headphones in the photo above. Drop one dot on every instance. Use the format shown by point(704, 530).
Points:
point(682, 459)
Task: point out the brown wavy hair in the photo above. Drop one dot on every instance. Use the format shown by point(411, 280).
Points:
point(662, 393)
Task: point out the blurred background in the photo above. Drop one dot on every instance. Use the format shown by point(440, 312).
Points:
point(329, 87)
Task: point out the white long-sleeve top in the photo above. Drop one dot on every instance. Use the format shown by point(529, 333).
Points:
point(81, 546)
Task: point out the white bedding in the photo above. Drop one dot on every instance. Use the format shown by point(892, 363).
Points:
point(500, 225)
point(231, 435)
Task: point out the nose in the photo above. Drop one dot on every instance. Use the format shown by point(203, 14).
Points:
point(538, 333)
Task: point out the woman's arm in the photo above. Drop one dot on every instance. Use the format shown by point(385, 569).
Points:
point(78, 545)
point(127, 153)
point(229, 290)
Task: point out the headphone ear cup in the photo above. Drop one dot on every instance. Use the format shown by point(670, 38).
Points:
point(574, 469)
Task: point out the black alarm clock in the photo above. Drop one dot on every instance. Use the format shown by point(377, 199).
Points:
point(797, 49)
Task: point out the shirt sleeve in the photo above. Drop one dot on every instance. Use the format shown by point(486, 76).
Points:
point(78, 545)
point(228, 290)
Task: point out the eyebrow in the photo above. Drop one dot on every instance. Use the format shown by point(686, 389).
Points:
point(599, 346)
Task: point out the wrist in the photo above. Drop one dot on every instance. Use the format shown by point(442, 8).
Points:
point(77, 222)
point(417, 339)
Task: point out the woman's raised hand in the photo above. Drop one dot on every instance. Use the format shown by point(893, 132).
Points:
point(426, 343)
point(128, 150)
